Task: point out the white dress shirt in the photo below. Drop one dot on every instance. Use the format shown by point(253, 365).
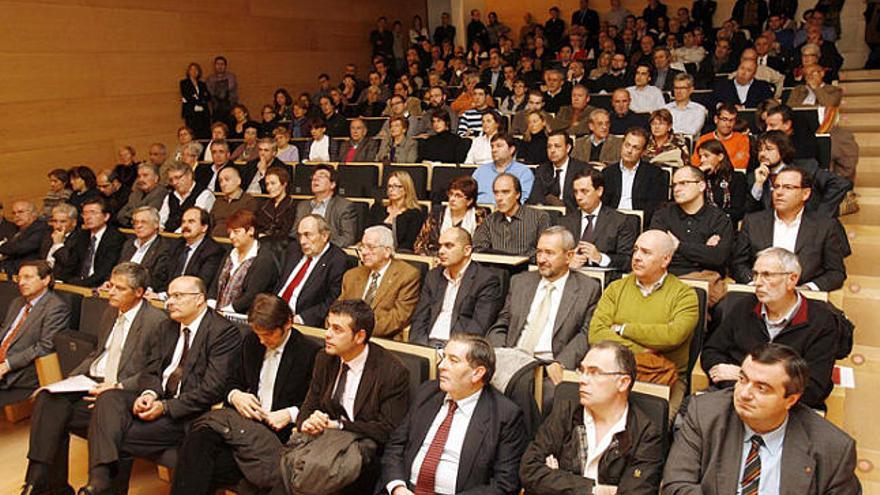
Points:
point(544, 347)
point(688, 120)
point(443, 324)
point(604, 260)
point(299, 288)
point(99, 366)
point(319, 151)
point(178, 353)
point(646, 99)
point(141, 249)
point(627, 178)
point(785, 234)
point(268, 376)
point(352, 381)
point(446, 475)
point(598, 446)
point(50, 256)
point(480, 151)
point(742, 91)
point(98, 236)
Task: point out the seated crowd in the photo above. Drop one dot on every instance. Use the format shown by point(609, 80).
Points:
point(634, 215)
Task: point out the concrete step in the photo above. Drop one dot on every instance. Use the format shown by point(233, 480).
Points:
point(861, 298)
point(860, 88)
point(869, 207)
point(859, 75)
point(861, 121)
point(865, 243)
point(860, 103)
point(867, 139)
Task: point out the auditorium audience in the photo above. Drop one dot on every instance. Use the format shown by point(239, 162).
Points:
point(88, 259)
point(622, 117)
point(725, 188)
point(531, 149)
point(574, 118)
point(206, 174)
point(480, 151)
point(513, 228)
point(534, 102)
point(83, 183)
point(339, 212)
point(32, 319)
point(554, 178)
point(688, 116)
point(461, 210)
point(503, 162)
point(604, 236)
point(397, 147)
point(63, 222)
point(230, 201)
point(621, 439)
point(645, 97)
point(112, 192)
point(274, 215)
point(126, 169)
point(359, 147)
point(470, 122)
point(185, 194)
point(634, 184)
point(736, 143)
point(59, 190)
point(196, 253)
point(814, 91)
point(25, 244)
point(147, 191)
point(743, 90)
point(253, 174)
point(195, 102)
point(403, 214)
point(599, 145)
point(223, 88)
point(444, 146)
point(147, 248)
point(247, 150)
point(665, 147)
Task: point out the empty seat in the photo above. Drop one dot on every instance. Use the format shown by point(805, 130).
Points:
point(302, 179)
point(357, 180)
point(442, 175)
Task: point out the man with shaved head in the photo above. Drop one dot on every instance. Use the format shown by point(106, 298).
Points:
point(743, 90)
point(194, 357)
point(652, 312)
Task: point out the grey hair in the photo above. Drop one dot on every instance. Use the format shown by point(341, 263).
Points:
point(568, 242)
point(161, 147)
point(150, 210)
point(685, 77)
point(137, 276)
point(152, 166)
point(599, 111)
point(67, 209)
point(323, 226)
point(270, 142)
point(386, 237)
point(811, 47)
point(786, 258)
point(194, 148)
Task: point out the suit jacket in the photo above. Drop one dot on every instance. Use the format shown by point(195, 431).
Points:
point(405, 152)
point(205, 262)
point(395, 299)
point(340, 214)
point(706, 456)
point(249, 171)
point(650, 188)
point(495, 440)
point(725, 91)
point(366, 151)
point(137, 198)
point(293, 377)
point(138, 343)
point(210, 363)
point(614, 234)
point(563, 118)
point(69, 259)
point(382, 398)
point(323, 285)
point(24, 245)
point(818, 247)
point(826, 96)
point(46, 318)
point(610, 152)
point(476, 305)
point(544, 183)
point(579, 298)
point(157, 261)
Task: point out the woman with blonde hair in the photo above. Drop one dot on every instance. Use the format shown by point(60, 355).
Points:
point(403, 214)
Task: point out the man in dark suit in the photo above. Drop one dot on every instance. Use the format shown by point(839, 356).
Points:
point(339, 212)
point(30, 323)
point(95, 250)
point(632, 184)
point(622, 117)
point(586, 17)
point(554, 179)
point(196, 254)
point(148, 248)
point(463, 420)
point(359, 147)
point(526, 321)
point(459, 296)
point(25, 244)
point(207, 174)
point(193, 358)
point(253, 174)
point(356, 386)
point(313, 269)
point(816, 240)
point(758, 436)
point(743, 90)
point(63, 221)
point(605, 236)
point(262, 403)
point(124, 339)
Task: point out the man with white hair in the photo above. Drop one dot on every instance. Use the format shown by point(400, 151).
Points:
point(652, 312)
point(148, 248)
point(389, 286)
point(775, 313)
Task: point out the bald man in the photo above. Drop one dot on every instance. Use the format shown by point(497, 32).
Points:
point(25, 244)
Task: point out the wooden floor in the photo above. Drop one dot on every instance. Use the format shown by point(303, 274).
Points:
point(13, 462)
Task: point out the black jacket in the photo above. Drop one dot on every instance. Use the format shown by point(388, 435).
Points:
point(204, 263)
point(70, 258)
point(650, 188)
point(614, 234)
point(445, 147)
point(323, 285)
point(261, 276)
point(544, 182)
point(157, 261)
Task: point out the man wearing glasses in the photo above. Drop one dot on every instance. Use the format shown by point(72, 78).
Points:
point(603, 444)
point(195, 355)
point(775, 313)
point(736, 143)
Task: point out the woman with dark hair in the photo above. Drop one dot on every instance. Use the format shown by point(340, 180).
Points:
point(476, 55)
point(194, 99)
point(461, 211)
point(480, 151)
point(84, 185)
point(665, 147)
point(727, 188)
point(241, 118)
point(418, 30)
point(274, 220)
point(283, 103)
point(59, 191)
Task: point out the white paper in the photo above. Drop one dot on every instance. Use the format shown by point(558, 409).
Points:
point(78, 383)
point(847, 377)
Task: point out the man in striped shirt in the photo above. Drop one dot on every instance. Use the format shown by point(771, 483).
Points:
point(513, 228)
point(471, 121)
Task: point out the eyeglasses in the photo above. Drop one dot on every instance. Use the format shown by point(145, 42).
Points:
point(685, 182)
point(179, 295)
point(593, 373)
point(767, 275)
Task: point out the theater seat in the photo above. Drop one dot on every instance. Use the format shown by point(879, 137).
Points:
point(419, 174)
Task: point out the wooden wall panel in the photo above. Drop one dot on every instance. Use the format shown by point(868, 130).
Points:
point(83, 77)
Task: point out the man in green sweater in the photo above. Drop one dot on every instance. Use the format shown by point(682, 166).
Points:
point(651, 311)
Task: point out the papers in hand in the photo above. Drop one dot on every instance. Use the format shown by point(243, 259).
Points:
point(78, 383)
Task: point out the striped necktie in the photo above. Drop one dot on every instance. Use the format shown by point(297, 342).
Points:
point(751, 477)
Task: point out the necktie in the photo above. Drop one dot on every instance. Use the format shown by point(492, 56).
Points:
point(588, 230)
point(349, 156)
point(300, 275)
point(267, 378)
point(173, 382)
point(555, 189)
point(428, 471)
point(183, 260)
point(114, 351)
point(340, 385)
point(12, 333)
point(371, 290)
point(537, 321)
point(751, 477)
point(90, 256)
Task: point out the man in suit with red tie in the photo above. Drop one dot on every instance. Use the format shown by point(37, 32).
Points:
point(31, 321)
point(124, 338)
point(194, 356)
point(313, 270)
point(356, 386)
point(461, 436)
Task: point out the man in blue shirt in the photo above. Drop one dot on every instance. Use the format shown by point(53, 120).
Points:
point(503, 151)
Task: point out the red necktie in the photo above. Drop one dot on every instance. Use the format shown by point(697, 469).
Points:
point(349, 156)
point(288, 292)
point(11, 336)
point(428, 471)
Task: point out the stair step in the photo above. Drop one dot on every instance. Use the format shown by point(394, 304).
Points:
point(860, 75)
point(867, 178)
point(867, 139)
point(860, 88)
point(861, 297)
point(861, 121)
point(865, 243)
point(860, 103)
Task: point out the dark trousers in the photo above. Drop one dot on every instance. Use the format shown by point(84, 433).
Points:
point(14, 394)
point(116, 434)
point(55, 416)
point(204, 463)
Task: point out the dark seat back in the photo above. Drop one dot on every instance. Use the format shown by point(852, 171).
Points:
point(302, 179)
point(8, 292)
point(72, 348)
point(418, 173)
point(441, 176)
point(91, 311)
point(357, 180)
